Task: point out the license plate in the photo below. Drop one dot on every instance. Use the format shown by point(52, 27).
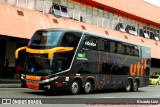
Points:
point(32, 85)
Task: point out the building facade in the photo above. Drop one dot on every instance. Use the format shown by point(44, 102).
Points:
point(131, 20)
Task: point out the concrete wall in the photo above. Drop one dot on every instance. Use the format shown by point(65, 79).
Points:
point(23, 26)
point(136, 7)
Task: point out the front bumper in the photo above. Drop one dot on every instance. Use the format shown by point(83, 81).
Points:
point(152, 82)
point(44, 85)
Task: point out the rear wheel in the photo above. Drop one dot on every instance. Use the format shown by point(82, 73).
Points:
point(128, 86)
point(135, 86)
point(88, 87)
point(75, 87)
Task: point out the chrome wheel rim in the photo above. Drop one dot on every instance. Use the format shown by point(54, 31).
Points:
point(128, 86)
point(135, 86)
point(75, 87)
point(87, 87)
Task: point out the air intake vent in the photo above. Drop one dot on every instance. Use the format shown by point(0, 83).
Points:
point(142, 41)
point(83, 27)
point(126, 37)
point(20, 13)
point(55, 21)
point(106, 32)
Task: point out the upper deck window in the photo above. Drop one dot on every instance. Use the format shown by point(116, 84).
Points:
point(90, 43)
point(45, 39)
point(70, 39)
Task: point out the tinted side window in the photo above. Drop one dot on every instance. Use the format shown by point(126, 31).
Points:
point(121, 48)
point(70, 39)
point(100, 44)
point(106, 45)
point(130, 49)
point(112, 47)
point(136, 52)
point(90, 43)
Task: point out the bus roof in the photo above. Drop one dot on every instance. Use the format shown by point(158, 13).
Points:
point(90, 33)
point(60, 29)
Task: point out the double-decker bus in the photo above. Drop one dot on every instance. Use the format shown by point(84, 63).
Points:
point(73, 60)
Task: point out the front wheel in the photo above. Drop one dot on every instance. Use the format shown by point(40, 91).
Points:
point(88, 87)
point(128, 86)
point(135, 86)
point(75, 87)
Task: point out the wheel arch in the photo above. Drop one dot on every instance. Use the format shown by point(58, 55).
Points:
point(79, 79)
point(131, 79)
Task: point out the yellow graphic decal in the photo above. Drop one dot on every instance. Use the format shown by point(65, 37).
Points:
point(17, 51)
point(58, 49)
point(49, 51)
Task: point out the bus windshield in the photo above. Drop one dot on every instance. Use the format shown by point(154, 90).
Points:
point(45, 39)
point(39, 64)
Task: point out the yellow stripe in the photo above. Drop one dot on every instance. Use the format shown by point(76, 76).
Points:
point(58, 49)
point(17, 51)
point(49, 51)
point(38, 51)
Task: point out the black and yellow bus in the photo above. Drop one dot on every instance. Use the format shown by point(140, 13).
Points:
point(73, 60)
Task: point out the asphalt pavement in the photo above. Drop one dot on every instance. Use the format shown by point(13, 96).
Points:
point(10, 83)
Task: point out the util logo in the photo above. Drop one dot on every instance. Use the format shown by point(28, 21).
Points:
point(138, 69)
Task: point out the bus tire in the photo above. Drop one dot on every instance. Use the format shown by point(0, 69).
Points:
point(75, 87)
point(135, 86)
point(88, 87)
point(128, 86)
